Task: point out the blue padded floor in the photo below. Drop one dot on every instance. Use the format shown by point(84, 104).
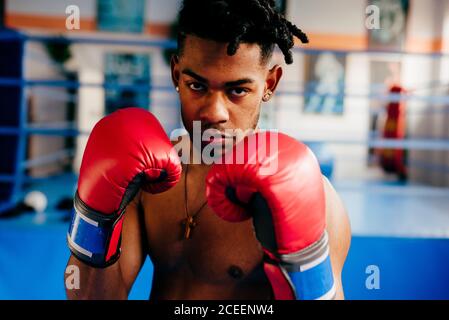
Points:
point(32, 263)
point(400, 229)
point(409, 268)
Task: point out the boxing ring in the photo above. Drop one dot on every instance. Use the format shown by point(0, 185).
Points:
point(400, 227)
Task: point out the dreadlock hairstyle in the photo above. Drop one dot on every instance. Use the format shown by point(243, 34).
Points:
point(239, 21)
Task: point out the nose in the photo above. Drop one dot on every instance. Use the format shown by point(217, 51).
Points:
point(214, 110)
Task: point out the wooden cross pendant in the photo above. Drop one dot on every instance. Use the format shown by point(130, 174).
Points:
point(188, 224)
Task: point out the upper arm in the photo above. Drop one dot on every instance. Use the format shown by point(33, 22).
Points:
point(133, 243)
point(339, 231)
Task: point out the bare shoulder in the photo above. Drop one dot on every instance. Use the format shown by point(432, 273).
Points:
point(339, 231)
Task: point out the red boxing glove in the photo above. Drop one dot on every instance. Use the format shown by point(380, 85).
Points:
point(127, 150)
point(279, 185)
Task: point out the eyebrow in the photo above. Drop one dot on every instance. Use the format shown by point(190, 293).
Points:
point(234, 83)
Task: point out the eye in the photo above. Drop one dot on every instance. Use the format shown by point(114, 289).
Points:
point(239, 92)
point(196, 86)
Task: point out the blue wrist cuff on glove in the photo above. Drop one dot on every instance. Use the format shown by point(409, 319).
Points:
point(310, 271)
point(89, 235)
point(314, 282)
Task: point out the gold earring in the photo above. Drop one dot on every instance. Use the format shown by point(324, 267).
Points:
point(267, 96)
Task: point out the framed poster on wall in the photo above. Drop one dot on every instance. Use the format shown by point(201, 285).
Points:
point(281, 6)
point(127, 70)
point(121, 15)
point(392, 27)
point(324, 83)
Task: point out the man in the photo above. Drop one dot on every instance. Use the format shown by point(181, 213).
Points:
point(222, 73)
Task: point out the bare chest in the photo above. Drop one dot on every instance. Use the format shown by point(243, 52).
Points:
point(217, 251)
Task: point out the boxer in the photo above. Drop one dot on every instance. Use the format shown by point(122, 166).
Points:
point(136, 199)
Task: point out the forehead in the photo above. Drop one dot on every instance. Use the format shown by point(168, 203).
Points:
point(211, 59)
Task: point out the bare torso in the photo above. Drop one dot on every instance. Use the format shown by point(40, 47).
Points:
point(221, 260)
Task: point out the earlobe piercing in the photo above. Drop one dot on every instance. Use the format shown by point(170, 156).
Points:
point(267, 96)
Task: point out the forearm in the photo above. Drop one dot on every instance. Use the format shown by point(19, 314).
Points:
point(127, 151)
point(96, 283)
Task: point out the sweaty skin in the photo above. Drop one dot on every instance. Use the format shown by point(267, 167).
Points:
point(222, 260)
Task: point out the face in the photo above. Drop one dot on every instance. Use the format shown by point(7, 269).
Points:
point(222, 92)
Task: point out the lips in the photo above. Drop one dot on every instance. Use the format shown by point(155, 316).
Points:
point(217, 137)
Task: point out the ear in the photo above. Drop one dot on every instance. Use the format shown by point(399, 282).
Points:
point(273, 77)
point(174, 66)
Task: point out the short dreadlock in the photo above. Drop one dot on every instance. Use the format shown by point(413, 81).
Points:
point(239, 21)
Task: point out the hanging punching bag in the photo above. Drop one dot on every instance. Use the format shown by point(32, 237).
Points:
point(393, 160)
